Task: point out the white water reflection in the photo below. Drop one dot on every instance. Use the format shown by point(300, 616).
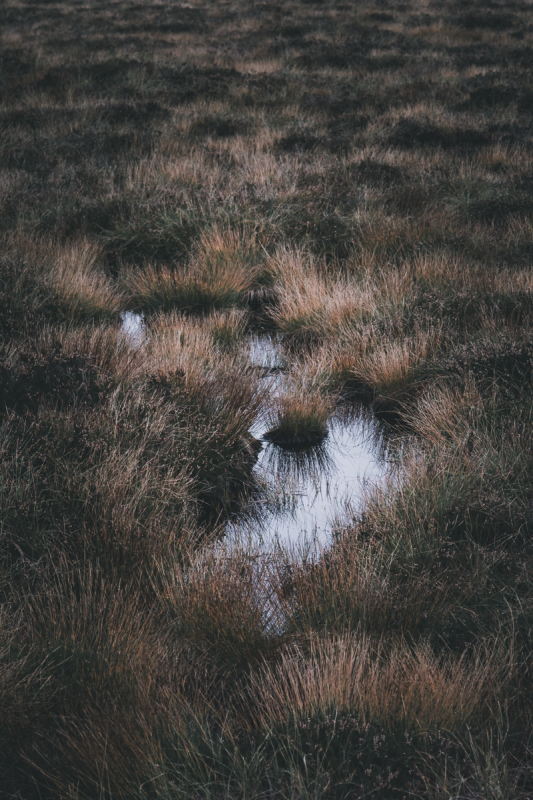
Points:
point(133, 326)
point(266, 353)
point(306, 489)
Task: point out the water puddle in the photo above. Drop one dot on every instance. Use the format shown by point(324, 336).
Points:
point(306, 489)
point(266, 353)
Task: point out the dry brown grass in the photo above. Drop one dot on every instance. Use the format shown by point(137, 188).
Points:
point(413, 688)
point(311, 304)
point(72, 276)
point(223, 267)
point(396, 369)
point(82, 287)
point(222, 603)
point(300, 411)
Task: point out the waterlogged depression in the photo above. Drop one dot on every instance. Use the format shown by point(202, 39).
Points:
point(308, 487)
point(304, 489)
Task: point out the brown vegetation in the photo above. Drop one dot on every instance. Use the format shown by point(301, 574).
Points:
point(358, 178)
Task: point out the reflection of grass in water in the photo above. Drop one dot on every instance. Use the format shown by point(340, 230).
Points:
point(297, 464)
point(279, 487)
point(378, 430)
point(248, 507)
point(265, 351)
point(310, 471)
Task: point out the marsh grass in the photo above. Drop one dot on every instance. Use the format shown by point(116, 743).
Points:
point(396, 371)
point(299, 421)
point(223, 268)
point(300, 413)
point(83, 290)
point(223, 168)
point(228, 329)
point(223, 605)
point(311, 304)
point(104, 453)
point(165, 290)
point(43, 283)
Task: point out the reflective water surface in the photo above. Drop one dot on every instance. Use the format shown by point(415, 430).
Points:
point(306, 488)
point(133, 326)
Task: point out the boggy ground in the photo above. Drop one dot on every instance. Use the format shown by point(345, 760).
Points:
point(359, 177)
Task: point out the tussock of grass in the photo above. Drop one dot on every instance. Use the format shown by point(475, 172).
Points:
point(299, 421)
point(395, 371)
point(222, 269)
point(43, 283)
point(161, 289)
point(311, 305)
point(299, 416)
point(228, 329)
point(83, 291)
point(220, 604)
point(413, 689)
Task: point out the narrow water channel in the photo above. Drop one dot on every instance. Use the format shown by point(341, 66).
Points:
point(304, 489)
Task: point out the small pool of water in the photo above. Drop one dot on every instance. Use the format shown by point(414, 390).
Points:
point(307, 488)
point(323, 480)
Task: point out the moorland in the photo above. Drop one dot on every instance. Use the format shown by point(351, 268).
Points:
point(356, 177)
